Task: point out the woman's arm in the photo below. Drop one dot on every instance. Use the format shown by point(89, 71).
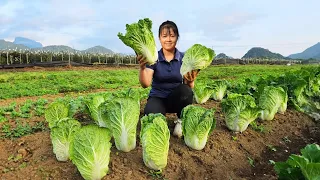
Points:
point(145, 74)
point(145, 77)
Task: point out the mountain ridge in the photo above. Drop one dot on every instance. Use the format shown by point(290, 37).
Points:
point(21, 43)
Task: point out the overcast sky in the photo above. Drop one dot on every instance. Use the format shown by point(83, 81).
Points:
point(229, 26)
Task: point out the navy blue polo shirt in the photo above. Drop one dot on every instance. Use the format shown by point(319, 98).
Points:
point(166, 76)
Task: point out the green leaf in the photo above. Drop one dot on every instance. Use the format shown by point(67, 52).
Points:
point(155, 137)
point(197, 124)
point(196, 57)
point(55, 112)
point(139, 37)
point(122, 115)
point(90, 151)
point(62, 136)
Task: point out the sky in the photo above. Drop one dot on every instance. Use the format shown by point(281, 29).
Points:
point(231, 26)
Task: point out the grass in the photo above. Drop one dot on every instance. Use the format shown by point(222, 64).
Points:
point(20, 84)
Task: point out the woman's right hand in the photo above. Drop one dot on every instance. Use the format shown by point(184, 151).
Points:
point(142, 61)
point(145, 74)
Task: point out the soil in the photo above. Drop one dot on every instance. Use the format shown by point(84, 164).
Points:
point(225, 156)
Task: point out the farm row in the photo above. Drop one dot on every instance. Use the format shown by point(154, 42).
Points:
point(237, 85)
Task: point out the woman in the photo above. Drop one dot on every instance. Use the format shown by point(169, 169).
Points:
point(170, 93)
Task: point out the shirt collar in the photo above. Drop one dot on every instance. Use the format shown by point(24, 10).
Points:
point(177, 55)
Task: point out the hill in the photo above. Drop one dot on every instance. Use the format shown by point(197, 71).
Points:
point(27, 42)
point(98, 49)
point(6, 45)
point(258, 52)
point(223, 56)
point(312, 52)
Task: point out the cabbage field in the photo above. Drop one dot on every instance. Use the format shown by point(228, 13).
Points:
point(246, 122)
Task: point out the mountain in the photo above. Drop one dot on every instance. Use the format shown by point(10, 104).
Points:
point(98, 49)
point(258, 52)
point(10, 45)
point(311, 52)
point(27, 42)
point(223, 56)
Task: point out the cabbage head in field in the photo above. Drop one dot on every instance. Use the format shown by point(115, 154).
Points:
point(140, 38)
point(122, 116)
point(196, 57)
point(272, 100)
point(90, 151)
point(239, 111)
point(95, 109)
point(202, 92)
point(219, 89)
point(62, 136)
point(155, 136)
point(306, 93)
point(55, 112)
point(197, 124)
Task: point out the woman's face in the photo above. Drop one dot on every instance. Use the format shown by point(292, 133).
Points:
point(168, 39)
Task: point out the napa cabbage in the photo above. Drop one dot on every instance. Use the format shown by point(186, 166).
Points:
point(272, 100)
point(122, 116)
point(95, 109)
point(196, 57)
point(139, 37)
point(197, 124)
point(219, 89)
point(55, 112)
point(239, 111)
point(62, 136)
point(90, 151)
point(155, 136)
point(202, 92)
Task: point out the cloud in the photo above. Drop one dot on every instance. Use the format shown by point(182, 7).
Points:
point(225, 27)
point(84, 23)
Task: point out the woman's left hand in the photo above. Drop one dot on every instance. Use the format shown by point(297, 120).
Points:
point(191, 76)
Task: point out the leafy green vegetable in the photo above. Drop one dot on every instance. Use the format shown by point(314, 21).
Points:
point(196, 57)
point(90, 151)
point(219, 89)
point(155, 136)
point(240, 111)
point(121, 116)
point(306, 95)
point(140, 38)
point(304, 166)
point(55, 112)
point(202, 92)
point(62, 136)
point(272, 100)
point(96, 110)
point(197, 124)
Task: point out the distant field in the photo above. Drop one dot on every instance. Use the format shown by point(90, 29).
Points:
point(20, 83)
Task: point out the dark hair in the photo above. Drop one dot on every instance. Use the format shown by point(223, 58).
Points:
point(169, 25)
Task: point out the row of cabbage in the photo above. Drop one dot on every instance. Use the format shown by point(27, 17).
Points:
point(115, 120)
point(258, 97)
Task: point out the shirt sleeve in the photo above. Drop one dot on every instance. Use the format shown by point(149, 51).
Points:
point(151, 66)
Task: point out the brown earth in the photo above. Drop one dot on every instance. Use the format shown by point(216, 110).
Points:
point(225, 156)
